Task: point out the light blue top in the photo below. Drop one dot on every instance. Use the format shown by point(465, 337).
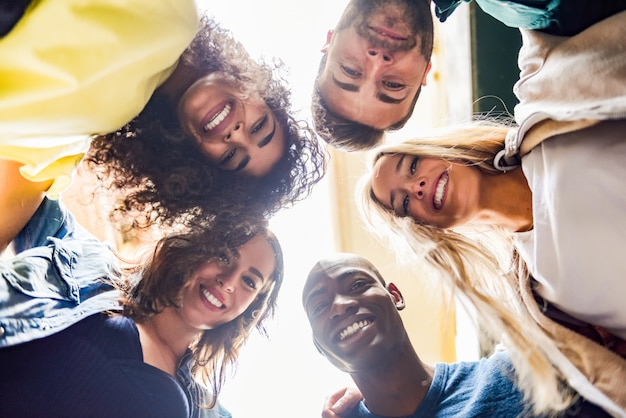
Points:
point(534, 14)
point(556, 17)
point(468, 389)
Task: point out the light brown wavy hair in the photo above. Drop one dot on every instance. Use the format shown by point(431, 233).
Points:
point(158, 284)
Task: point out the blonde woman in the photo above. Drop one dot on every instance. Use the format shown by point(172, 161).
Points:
point(547, 220)
point(422, 189)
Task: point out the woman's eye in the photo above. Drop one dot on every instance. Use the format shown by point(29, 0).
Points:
point(393, 85)
point(259, 125)
point(350, 72)
point(413, 165)
point(229, 156)
point(405, 206)
point(249, 282)
point(224, 259)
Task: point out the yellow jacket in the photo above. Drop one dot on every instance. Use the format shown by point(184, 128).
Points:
point(73, 68)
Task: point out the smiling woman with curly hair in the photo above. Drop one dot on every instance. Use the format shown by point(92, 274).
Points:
point(218, 135)
point(179, 127)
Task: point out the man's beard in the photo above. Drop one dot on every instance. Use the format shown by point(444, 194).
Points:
point(396, 12)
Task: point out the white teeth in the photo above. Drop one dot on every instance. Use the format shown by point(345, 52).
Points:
point(441, 187)
point(212, 299)
point(215, 120)
point(351, 329)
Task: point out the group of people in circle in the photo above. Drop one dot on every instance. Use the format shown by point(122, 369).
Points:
point(199, 141)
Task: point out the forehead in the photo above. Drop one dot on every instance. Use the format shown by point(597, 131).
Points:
point(388, 162)
point(336, 269)
point(383, 173)
point(258, 253)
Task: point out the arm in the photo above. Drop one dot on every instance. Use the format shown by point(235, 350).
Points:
point(340, 402)
point(19, 199)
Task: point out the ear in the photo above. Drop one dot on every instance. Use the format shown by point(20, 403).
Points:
point(397, 296)
point(430, 64)
point(329, 38)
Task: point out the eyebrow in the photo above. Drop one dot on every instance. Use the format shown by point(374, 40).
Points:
point(341, 278)
point(392, 196)
point(380, 96)
point(242, 164)
point(269, 137)
point(345, 86)
point(244, 161)
point(257, 273)
point(388, 99)
point(313, 294)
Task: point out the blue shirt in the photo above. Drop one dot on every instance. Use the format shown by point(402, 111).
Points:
point(467, 389)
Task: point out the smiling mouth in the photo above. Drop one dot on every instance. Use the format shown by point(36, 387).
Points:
point(351, 329)
point(440, 191)
point(212, 299)
point(387, 33)
point(218, 118)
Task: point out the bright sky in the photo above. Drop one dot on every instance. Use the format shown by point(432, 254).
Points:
point(285, 376)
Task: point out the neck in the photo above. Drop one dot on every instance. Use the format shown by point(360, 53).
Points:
point(507, 201)
point(397, 386)
point(163, 341)
point(177, 83)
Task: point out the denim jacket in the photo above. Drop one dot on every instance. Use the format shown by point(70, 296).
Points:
point(44, 288)
point(56, 279)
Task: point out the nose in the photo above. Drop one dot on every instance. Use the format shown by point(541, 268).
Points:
point(418, 188)
point(380, 54)
point(341, 306)
point(235, 132)
point(226, 282)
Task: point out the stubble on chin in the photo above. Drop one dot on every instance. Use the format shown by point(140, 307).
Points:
point(397, 14)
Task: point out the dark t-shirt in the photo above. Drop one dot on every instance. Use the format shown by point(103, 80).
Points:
point(93, 369)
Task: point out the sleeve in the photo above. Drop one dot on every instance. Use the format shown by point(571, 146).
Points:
point(444, 8)
point(91, 77)
point(60, 274)
point(51, 220)
point(56, 258)
point(218, 411)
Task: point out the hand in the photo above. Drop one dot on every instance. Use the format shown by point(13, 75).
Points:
point(19, 200)
point(341, 402)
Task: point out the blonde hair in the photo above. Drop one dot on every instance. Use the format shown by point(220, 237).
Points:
point(481, 268)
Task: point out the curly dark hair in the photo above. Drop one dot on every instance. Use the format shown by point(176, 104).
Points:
point(163, 177)
point(158, 284)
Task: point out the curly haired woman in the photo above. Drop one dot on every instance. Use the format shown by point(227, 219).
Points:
point(222, 105)
point(102, 71)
